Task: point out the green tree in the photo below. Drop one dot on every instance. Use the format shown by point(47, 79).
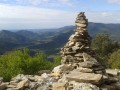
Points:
point(103, 45)
point(56, 61)
point(114, 60)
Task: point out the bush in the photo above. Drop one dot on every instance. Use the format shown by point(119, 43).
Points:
point(19, 61)
point(114, 60)
point(104, 46)
point(56, 61)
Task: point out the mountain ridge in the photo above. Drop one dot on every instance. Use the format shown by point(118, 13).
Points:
point(50, 40)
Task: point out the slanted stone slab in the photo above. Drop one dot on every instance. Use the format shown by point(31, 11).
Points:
point(84, 86)
point(88, 64)
point(113, 72)
point(85, 70)
point(108, 87)
point(58, 86)
point(85, 77)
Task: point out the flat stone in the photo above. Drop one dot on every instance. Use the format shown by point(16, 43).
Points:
point(3, 86)
point(23, 83)
point(88, 57)
point(58, 86)
point(77, 40)
point(79, 55)
point(81, 25)
point(1, 80)
point(57, 71)
point(88, 64)
point(74, 48)
point(43, 71)
point(85, 77)
point(66, 68)
point(78, 44)
point(108, 87)
point(82, 21)
point(85, 70)
point(84, 86)
point(113, 72)
point(71, 44)
point(11, 86)
point(116, 85)
point(69, 53)
point(81, 30)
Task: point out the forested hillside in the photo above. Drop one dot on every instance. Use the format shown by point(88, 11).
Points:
point(50, 40)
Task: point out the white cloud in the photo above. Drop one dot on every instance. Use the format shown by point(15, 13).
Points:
point(114, 1)
point(24, 17)
point(45, 2)
point(104, 17)
point(106, 14)
point(66, 2)
point(33, 17)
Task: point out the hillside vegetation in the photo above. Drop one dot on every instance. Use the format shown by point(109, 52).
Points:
point(50, 40)
point(20, 62)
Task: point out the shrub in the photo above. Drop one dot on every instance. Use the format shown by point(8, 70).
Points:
point(19, 61)
point(114, 60)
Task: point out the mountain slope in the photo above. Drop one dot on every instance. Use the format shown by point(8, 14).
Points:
point(51, 40)
point(27, 34)
point(10, 40)
point(8, 36)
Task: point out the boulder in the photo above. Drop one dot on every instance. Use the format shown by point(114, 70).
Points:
point(22, 84)
point(1, 80)
point(85, 70)
point(74, 48)
point(88, 57)
point(113, 72)
point(81, 25)
point(3, 86)
point(84, 86)
point(43, 71)
point(71, 44)
point(108, 87)
point(57, 71)
point(58, 86)
point(88, 64)
point(84, 77)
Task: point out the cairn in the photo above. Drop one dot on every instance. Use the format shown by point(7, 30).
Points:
point(77, 52)
point(80, 68)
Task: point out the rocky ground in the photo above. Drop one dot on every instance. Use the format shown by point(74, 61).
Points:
point(48, 81)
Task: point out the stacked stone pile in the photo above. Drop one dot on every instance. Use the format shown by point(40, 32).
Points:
point(77, 51)
point(81, 69)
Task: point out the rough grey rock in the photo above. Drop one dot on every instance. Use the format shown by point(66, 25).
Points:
point(85, 77)
point(3, 86)
point(84, 86)
point(59, 86)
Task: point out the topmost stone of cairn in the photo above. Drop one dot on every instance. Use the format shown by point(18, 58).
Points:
point(81, 20)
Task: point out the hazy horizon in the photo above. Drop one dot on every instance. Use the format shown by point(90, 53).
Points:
point(30, 29)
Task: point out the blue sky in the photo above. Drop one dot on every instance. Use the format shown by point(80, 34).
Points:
point(37, 14)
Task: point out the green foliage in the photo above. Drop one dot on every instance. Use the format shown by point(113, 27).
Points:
point(103, 45)
point(114, 60)
point(19, 61)
point(57, 61)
